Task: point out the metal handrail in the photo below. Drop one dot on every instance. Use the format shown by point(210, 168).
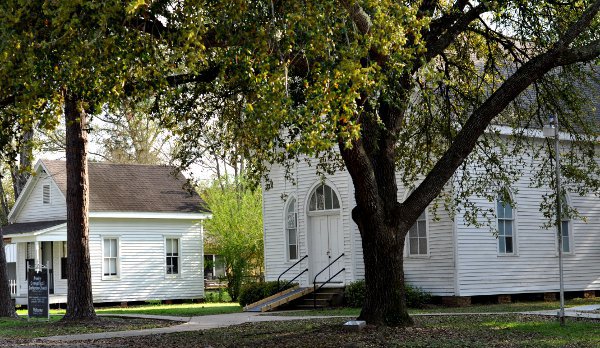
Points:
point(291, 281)
point(315, 289)
point(326, 267)
point(292, 266)
point(328, 280)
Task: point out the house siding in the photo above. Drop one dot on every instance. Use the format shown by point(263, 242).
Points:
point(34, 209)
point(274, 234)
point(142, 274)
point(434, 273)
point(534, 266)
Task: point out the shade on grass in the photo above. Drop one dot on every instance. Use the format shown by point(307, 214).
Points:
point(183, 310)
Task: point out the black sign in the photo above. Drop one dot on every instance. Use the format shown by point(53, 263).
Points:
point(37, 293)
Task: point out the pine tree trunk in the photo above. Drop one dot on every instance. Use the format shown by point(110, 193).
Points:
point(20, 173)
point(7, 308)
point(4, 210)
point(79, 295)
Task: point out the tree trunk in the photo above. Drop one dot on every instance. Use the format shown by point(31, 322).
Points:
point(4, 210)
point(79, 295)
point(385, 302)
point(20, 173)
point(7, 308)
point(378, 217)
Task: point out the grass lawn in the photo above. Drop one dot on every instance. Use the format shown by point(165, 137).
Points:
point(501, 330)
point(488, 308)
point(24, 329)
point(181, 310)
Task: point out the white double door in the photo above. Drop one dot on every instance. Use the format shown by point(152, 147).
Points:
point(326, 244)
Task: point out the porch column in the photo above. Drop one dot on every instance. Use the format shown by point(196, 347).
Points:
point(38, 253)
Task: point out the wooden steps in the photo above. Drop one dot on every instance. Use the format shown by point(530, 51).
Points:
point(324, 298)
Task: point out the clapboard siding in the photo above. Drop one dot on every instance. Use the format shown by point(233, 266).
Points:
point(534, 267)
point(434, 273)
point(274, 234)
point(34, 209)
point(142, 274)
point(463, 260)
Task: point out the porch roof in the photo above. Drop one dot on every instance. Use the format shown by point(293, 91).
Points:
point(13, 230)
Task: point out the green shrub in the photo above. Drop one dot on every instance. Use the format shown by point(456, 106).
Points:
point(254, 292)
point(355, 294)
point(415, 296)
point(217, 296)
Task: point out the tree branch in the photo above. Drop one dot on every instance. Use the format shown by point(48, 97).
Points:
point(475, 126)
point(358, 15)
point(208, 75)
point(435, 46)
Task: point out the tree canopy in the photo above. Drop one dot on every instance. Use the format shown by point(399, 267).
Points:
point(235, 230)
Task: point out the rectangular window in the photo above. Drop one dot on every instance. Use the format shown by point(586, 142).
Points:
point(292, 237)
point(172, 255)
point(417, 237)
point(566, 245)
point(46, 194)
point(505, 227)
point(111, 257)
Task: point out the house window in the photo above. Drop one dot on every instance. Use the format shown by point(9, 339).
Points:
point(566, 233)
point(323, 198)
point(506, 224)
point(291, 229)
point(417, 237)
point(111, 257)
point(46, 194)
point(565, 224)
point(63, 261)
point(172, 255)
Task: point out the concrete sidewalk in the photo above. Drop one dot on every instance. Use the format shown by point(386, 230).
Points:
point(224, 320)
point(192, 324)
point(588, 311)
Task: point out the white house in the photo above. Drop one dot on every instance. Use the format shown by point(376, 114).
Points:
point(145, 232)
point(311, 222)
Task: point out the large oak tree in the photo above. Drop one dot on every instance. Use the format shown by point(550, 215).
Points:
point(384, 86)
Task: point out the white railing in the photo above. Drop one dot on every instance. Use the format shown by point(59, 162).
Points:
point(13, 286)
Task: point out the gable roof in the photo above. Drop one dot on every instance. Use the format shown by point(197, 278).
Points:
point(132, 187)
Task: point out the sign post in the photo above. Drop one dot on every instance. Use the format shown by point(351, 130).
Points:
point(38, 303)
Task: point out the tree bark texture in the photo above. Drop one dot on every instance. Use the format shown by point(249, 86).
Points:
point(7, 308)
point(20, 173)
point(4, 210)
point(371, 165)
point(79, 295)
